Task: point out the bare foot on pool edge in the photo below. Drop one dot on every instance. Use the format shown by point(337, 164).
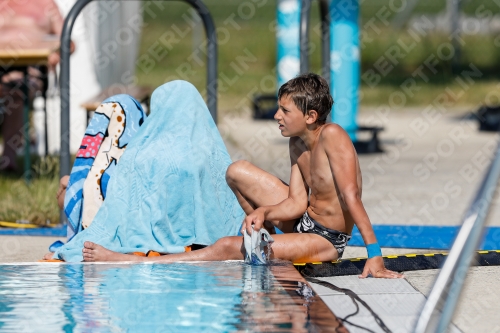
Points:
point(94, 252)
point(48, 256)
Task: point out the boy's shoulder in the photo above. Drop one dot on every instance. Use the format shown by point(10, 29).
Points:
point(334, 139)
point(333, 131)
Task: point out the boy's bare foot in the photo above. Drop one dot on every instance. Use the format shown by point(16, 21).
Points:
point(48, 256)
point(94, 252)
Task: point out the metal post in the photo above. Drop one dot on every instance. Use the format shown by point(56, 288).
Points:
point(450, 281)
point(212, 55)
point(305, 10)
point(453, 8)
point(324, 12)
point(69, 22)
point(345, 69)
point(45, 82)
point(26, 130)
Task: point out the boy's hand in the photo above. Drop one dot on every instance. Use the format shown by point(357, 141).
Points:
point(375, 267)
point(61, 191)
point(256, 218)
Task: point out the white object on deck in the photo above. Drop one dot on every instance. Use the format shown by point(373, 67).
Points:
point(255, 246)
point(39, 125)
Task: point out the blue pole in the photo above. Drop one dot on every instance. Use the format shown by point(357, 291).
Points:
point(345, 65)
point(287, 35)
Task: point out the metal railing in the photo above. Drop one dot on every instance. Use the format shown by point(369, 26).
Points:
point(438, 311)
point(69, 22)
point(305, 13)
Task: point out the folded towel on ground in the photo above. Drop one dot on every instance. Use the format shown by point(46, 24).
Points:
point(169, 189)
point(114, 123)
point(255, 246)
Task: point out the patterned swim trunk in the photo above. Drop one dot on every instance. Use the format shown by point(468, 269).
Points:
point(308, 225)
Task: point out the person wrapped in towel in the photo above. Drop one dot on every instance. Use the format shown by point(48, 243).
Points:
point(317, 211)
point(168, 190)
point(82, 193)
point(115, 122)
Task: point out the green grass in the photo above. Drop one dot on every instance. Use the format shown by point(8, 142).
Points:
point(35, 202)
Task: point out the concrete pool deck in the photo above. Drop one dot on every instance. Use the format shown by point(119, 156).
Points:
point(428, 175)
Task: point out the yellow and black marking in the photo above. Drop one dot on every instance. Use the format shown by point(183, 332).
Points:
point(398, 263)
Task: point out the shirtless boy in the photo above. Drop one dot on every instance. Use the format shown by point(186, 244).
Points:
point(319, 208)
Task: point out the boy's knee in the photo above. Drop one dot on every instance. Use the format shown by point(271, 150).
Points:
point(236, 170)
point(227, 246)
point(224, 243)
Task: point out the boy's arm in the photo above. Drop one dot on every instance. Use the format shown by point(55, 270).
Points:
point(343, 164)
point(291, 208)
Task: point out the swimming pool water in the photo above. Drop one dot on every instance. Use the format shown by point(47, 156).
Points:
point(195, 297)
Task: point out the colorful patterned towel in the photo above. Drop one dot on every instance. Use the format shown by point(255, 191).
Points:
point(114, 123)
point(169, 189)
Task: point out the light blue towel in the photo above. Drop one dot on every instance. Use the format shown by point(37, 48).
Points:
point(169, 189)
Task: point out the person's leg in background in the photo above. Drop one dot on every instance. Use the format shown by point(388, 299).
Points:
point(12, 118)
point(12, 104)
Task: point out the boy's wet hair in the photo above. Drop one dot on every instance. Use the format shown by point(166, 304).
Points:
point(309, 92)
